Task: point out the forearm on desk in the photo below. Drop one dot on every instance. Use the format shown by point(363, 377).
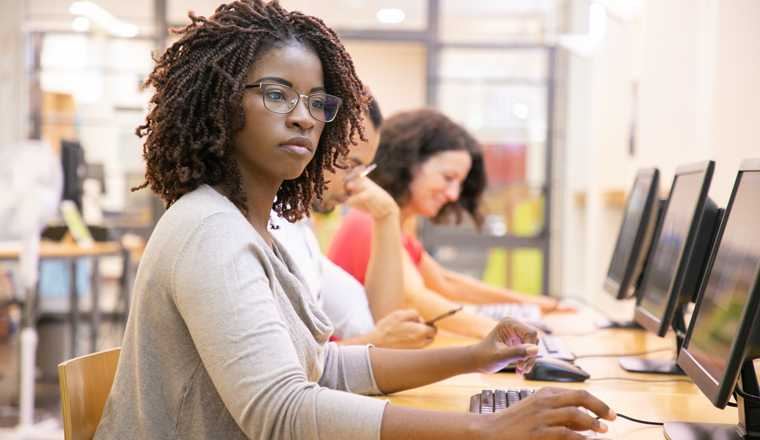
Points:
point(458, 287)
point(430, 304)
point(397, 370)
point(401, 423)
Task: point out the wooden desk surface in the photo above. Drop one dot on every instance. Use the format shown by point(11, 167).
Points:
point(651, 401)
point(53, 249)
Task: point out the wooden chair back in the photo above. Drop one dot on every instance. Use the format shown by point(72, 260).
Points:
point(85, 383)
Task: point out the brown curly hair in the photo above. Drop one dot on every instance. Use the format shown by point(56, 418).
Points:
point(197, 106)
point(411, 138)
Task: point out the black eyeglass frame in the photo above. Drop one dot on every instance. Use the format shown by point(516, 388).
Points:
point(264, 85)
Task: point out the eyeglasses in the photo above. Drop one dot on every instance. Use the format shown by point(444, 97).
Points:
point(283, 99)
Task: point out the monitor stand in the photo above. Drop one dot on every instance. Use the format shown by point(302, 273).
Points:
point(617, 323)
point(653, 366)
point(749, 417)
point(701, 431)
point(660, 366)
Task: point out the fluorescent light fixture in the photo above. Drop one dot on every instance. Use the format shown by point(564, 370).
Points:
point(113, 25)
point(128, 30)
point(81, 24)
point(390, 15)
point(597, 19)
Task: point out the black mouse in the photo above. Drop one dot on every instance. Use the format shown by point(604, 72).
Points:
point(555, 370)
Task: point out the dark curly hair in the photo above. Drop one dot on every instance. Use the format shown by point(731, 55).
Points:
point(411, 138)
point(197, 106)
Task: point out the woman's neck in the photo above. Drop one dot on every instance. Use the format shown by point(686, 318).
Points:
point(406, 213)
point(259, 202)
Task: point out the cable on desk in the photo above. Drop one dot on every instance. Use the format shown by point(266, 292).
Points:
point(750, 397)
point(624, 354)
point(643, 422)
point(630, 379)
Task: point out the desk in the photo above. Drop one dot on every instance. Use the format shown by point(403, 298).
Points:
point(658, 402)
point(70, 252)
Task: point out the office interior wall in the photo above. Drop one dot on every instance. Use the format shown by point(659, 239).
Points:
point(697, 76)
point(13, 99)
point(394, 72)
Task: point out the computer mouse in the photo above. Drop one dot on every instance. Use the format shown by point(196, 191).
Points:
point(555, 370)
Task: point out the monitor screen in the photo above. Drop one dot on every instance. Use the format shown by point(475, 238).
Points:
point(679, 250)
point(635, 235)
point(74, 171)
point(715, 346)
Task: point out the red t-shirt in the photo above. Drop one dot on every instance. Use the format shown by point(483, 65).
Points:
point(350, 246)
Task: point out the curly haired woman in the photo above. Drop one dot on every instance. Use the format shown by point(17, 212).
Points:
point(223, 342)
point(433, 168)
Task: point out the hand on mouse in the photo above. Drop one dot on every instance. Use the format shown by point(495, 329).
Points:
point(510, 340)
point(551, 413)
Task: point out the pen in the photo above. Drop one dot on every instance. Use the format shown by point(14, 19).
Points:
point(449, 313)
point(355, 172)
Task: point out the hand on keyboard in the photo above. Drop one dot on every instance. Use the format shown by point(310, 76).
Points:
point(511, 340)
point(548, 413)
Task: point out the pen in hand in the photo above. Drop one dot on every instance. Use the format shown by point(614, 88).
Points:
point(447, 314)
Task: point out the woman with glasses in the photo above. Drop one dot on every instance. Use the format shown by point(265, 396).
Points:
point(222, 340)
point(433, 168)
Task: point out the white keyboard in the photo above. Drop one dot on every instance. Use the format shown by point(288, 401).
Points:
point(523, 312)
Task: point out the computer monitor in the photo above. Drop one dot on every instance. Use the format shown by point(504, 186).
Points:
point(635, 236)
point(675, 266)
point(74, 171)
point(723, 336)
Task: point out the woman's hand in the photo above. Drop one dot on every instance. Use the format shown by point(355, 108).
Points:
point(402, 329)
point(549, 304)
point(551, 413)
point(510, 340)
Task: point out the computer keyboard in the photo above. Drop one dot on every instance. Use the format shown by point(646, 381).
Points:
point(523, 312)
point(554, 347)
point(493, 401)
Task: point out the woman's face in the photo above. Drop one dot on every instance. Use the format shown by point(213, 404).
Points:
point(437, 181)
point(273, 147)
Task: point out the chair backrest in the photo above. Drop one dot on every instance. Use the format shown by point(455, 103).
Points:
point(85, 383)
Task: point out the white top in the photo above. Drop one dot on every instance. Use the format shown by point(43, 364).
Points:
point(340, 295)
point(223, 342)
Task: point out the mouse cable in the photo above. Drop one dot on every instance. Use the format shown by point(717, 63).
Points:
point(640, 380)
point(641, 353)
point(749, 397)
point(588, 303)
point(643, 422)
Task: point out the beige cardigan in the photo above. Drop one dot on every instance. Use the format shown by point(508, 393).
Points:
point(222, 341)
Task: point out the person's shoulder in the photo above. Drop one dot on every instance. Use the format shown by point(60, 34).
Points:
point(201, 207)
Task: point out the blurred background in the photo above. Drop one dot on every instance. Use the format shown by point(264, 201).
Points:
point(569, 98)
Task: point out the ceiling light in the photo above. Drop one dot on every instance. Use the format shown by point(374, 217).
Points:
point(95, 13)
point(390, 15)
point(81, 24)
point(521, 110)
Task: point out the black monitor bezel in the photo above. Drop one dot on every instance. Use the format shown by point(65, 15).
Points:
point(620, 288)
point(720, 392)
point(660, 325)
